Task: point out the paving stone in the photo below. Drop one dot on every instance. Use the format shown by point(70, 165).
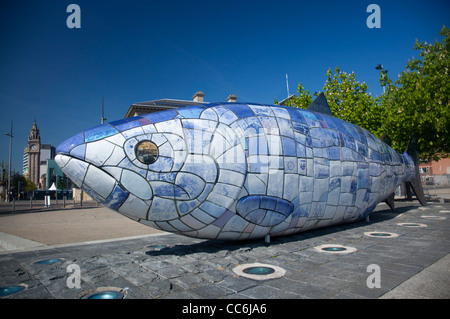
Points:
point(211, 291)
point(190, 268)
point(161, 288)
point(237, 284)
point(267, 292)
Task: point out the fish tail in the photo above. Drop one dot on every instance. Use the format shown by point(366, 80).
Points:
point(415, 184)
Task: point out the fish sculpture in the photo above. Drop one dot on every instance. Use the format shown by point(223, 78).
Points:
point(236, 171)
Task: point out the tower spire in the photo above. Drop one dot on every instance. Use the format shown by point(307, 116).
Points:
point(33, 150)
point(34, 132)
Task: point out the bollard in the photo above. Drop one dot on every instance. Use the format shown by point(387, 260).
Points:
point(14, 203)
point(31, 202)
point(64, 201)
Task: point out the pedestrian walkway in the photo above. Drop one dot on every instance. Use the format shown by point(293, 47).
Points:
point(394, 255)
point(67, 226)
point(10, 242)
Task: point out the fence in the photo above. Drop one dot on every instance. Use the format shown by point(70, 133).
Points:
point(48, 200)
point(436, 186)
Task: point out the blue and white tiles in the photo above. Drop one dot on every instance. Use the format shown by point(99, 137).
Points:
point(234, 171)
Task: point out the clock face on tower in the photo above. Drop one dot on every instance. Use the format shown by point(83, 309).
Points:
point(33, 147)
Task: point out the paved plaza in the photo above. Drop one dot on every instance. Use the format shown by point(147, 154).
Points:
point(393, 255)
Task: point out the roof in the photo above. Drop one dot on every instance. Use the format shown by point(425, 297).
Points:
point(158, 105)
point(284, 101)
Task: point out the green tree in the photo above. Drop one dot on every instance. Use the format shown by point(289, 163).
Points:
point(419, 102)
point(350, 101)
point(303, 99)
point(61, 182)
point(30, 186)
point(18, 182)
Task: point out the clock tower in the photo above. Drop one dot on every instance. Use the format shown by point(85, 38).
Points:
point(33, 150)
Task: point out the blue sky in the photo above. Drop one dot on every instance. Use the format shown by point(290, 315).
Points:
point(133, 51)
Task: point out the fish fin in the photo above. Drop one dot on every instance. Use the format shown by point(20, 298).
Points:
point(320, 105)
point(386, 139)
point(416, 183)
point(390, 201)
point(264, 210)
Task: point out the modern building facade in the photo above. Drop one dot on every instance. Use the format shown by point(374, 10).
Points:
point(54, 175)
point(47, 153)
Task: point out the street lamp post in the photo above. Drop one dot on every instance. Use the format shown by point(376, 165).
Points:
point(9, 164)
point(102, 119)
point(379, 67)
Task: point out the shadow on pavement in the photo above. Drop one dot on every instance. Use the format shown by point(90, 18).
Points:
point(213, 246)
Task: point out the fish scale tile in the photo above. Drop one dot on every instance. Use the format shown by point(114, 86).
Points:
point(235, 170)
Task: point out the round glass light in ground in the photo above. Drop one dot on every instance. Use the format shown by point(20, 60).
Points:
point(110, 294)
point(417, 225)
point(433, 217)
point(47, 261)
point(259, 271)
point(105, 293)
point(11, 290)
point(381, 234)
point(156, 246)
point(335, 249)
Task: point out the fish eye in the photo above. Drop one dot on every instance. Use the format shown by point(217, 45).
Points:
point(146, 152)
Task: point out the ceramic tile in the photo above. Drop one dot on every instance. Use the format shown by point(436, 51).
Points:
point(234, 170)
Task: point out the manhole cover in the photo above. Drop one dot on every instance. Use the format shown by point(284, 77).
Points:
point(259, 271)
point(11, 290)
point(335, 249)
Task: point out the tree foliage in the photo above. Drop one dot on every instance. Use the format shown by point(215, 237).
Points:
point(30, 185)
point(303, 99)
point(417, 103)
point(348, 100)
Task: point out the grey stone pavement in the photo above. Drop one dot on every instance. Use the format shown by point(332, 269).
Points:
point(416, 264)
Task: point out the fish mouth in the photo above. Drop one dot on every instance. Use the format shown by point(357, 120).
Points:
point(97, 183)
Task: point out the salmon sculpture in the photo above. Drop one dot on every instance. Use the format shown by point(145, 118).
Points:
point(237, 171)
